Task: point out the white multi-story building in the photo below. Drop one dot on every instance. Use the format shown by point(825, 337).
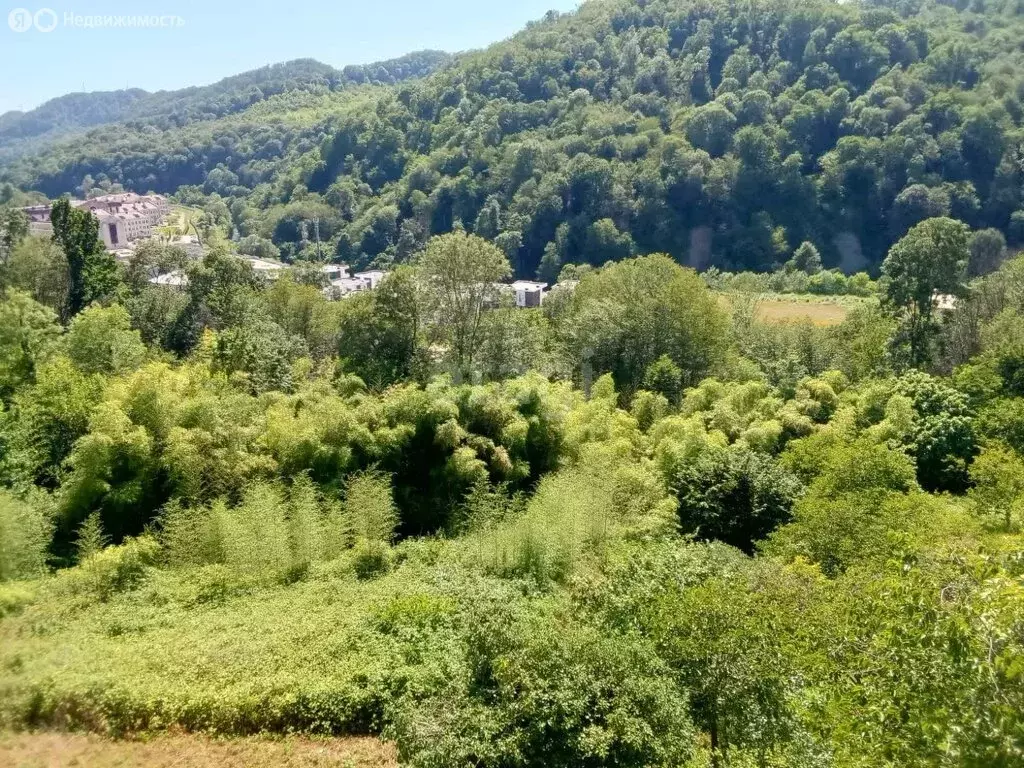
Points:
point(113, 230)
point(124, 218)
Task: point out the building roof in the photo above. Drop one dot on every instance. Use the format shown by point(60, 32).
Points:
point(349, 284)
point(529, 285)
point(265, 265)
point(174, 279)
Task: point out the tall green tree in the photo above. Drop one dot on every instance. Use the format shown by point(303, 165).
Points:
point(101, 340)
point(27, 332)
point(13, 229)
point(92, 271)
point(380, 336)
point(626, 316)
point(38, 267)
point(927, 263)
point(459, 273)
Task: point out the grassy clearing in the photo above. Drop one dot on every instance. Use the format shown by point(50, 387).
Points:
point(820, 313)
point(785, 307)
point(49, 749)
point(204, 650)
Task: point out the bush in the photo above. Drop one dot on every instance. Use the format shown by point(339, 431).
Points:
point(371, 558)
point(571, 513)
point(14, 597)
point(734, 495)
point(24, 536)
point(368, 509)
point(997, 477)
point(942, 437)
point(272, 534)
point(544, 690)
point(111, 571)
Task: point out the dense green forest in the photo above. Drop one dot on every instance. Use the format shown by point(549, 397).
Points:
point(637, 526)
point(720, 133)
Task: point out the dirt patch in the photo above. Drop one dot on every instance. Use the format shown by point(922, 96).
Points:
point(67, 750)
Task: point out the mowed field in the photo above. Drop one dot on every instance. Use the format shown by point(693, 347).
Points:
point(784, 307)
point(63, 750)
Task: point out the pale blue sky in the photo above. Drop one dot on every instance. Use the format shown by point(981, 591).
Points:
point(225, 37)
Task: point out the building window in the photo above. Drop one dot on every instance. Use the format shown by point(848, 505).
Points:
point(113, 233)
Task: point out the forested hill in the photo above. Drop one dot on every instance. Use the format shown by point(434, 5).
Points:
point(168, 109)
point(721, 133)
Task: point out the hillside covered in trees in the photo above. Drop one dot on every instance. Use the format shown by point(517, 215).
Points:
point(720, 133)
point(23, 131)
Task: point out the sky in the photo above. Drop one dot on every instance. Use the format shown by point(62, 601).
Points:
point(50, 47)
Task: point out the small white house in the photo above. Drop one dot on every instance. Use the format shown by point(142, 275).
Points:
point(334, 271)
point(373, 277)
point(528, 293)
point(345, 286)
point(272, 269)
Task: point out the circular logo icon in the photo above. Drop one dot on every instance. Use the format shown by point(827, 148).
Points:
point(46, 20)
point(20, 20)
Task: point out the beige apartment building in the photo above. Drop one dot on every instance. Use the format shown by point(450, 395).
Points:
point(124, 218)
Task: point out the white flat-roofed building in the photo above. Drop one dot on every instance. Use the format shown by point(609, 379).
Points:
point(345, 286)
point(272, 269)
point(373, 277)
point(335, 271)
point(529, 293)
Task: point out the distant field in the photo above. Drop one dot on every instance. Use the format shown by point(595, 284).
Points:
point(57, 750)
point(179, 221)
point(783, 307)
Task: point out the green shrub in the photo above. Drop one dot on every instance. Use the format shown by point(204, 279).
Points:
point(14, 596)
point(214, 584)
point(369, 508)
point(734, 495)
point(571, 513)
point(942, 435)
point(190, 535)
point(113, 570)
point(271, 534)
point(371, 558)
point(25, 532)
point(544, 690)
